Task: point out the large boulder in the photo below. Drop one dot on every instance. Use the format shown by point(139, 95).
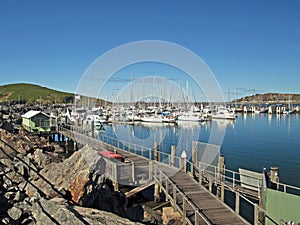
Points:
point(72, 176)
point(40, 211)
point(60, 212)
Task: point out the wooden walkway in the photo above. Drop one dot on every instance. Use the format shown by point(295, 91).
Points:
point(196, 204)
point(213, 210)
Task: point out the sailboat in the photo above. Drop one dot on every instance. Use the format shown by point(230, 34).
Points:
point(223, 113)
point(288, 110)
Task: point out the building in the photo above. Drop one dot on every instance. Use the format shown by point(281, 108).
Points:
point(37, 121)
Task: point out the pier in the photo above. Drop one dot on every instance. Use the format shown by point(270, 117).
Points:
point(197, 191)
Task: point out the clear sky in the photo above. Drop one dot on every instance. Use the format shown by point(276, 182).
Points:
point(251, 46)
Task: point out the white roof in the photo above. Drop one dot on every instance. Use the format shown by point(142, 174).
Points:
point(32, 113)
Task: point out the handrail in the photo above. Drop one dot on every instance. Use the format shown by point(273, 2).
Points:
point(177, 191)
point(220, 175)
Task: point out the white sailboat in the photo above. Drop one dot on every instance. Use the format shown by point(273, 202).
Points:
point(223, 113)
point(190, 116)
point(288, 110)
point(152, 118)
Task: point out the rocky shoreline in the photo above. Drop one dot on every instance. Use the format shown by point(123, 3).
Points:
point(39, 186)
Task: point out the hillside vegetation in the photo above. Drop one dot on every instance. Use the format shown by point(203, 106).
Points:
point(28, 93)
point(271, 98)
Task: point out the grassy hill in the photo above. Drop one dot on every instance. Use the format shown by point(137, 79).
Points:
point(33, 93)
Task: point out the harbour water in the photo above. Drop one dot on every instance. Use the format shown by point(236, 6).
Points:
point(252, 141)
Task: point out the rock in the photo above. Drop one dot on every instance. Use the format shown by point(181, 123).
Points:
point(107, 200)
point(28, 221)
point(151, 216)
point(22, 185)
point(13, 177)
point(41, 159)
point(94, 216)
point(9, 195)
point(7, 163)
point(6, 220)
point(135, 213)
point(171, 217)
point(3, 204)
point(73, 175)
point(19, 196)
point(58, 211)
point(7, 126)
point(14, 213)
point(77, 187)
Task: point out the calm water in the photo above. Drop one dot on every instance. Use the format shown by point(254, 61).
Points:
point(252, 141)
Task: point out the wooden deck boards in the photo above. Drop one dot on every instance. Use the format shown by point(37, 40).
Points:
point(215, 210)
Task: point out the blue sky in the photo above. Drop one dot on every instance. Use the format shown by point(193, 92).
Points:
point(251, 46)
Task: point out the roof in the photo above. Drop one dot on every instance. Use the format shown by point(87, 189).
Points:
point(33, 113)
point(110, 155)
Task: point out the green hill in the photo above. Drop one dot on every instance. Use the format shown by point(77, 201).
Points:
point(29, 93)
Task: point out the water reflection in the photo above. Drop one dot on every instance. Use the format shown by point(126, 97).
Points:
point(224, 124)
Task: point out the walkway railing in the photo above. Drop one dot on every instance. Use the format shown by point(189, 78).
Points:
point(220, 177)
point(173, 194)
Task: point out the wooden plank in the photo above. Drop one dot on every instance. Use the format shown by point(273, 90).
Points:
point(138, 189)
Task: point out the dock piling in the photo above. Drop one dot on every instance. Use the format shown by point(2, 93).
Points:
point(183, 157)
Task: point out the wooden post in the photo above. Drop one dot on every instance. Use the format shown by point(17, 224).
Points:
point(210, 184)
point(156, 192)
point(66, 145)
point(174, 197)
point(274, 178)
point(221, 191)
point(173, 152)
point(150, 170)
point(221, 165)
point(183, 161)
point(200, 176)
point(115, 178)
point(194, 154)
point(132, 172)
point(156, 152)
point(167, 189)
point(256, 212)
point(75, 146)
point(237, 202)
point(184, 208)
point(196, 216)
point(93, 129)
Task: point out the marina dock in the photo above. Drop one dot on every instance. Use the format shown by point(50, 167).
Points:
point(198, 194)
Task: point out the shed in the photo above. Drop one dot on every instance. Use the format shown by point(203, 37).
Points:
point(36, 121)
